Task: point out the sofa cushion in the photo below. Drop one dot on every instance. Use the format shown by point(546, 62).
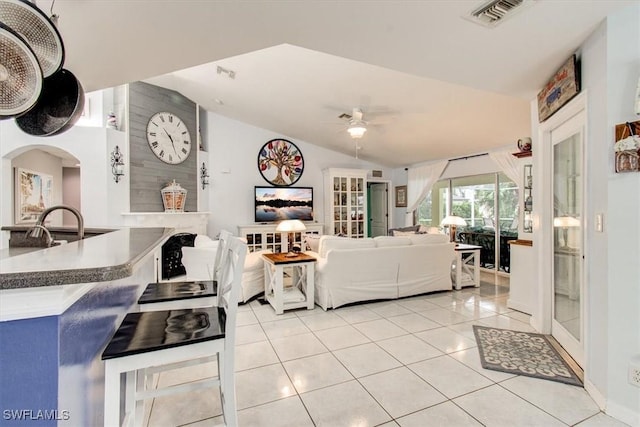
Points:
point(204, 241)
point(388, 241)
point(411, 228)
point(328, 243)
point(427, 239)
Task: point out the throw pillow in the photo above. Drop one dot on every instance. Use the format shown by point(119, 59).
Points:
point(412, 228)
point(431, 230)
point(311, 241)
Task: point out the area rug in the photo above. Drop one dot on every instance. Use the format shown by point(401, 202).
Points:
point(522, 353)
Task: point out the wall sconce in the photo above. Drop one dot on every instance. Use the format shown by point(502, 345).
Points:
point(117, 164)
point(204, 176)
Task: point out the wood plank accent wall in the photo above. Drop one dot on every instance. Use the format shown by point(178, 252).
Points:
point(148, 174)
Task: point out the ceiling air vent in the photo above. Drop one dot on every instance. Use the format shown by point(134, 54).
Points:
point(496, 11)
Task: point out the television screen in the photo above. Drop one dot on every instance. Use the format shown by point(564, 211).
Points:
point(280, 203)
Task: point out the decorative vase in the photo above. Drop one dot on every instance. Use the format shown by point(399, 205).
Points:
point(524, 144)
point(173, 197)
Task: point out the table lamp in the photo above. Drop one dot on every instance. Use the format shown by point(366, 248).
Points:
point(290, 226)
point(565, 222)
point(452, 222)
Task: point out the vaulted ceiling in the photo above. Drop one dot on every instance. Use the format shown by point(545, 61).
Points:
point(431, 84)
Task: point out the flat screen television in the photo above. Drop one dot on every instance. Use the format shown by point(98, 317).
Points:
point(279, 203)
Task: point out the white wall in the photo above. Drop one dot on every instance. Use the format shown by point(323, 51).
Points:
point(623, 71)
point(610, 67)
point(233, 156)
point(71, 190)
point(87, 144)
point(593, 62)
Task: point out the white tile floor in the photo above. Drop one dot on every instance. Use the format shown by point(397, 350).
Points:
point(409, 362)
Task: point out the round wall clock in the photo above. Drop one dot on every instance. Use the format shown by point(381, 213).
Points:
point(280, 162)
point(168, 138)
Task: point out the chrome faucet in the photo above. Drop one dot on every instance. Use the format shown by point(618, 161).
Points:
point(37, 229)
point(41, 228)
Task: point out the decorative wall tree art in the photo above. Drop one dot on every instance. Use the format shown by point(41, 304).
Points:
point(280, 162)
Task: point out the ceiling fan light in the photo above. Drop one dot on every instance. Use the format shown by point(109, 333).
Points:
point(357, 131)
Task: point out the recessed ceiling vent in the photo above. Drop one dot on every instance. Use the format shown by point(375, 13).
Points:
point(496, 11)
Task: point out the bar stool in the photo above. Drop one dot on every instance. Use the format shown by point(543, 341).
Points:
point(158, 339)
point(190, 294)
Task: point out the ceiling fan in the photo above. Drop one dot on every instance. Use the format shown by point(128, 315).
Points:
point(357, 124)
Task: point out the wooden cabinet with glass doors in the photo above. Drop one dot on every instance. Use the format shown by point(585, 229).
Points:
point(346, 202)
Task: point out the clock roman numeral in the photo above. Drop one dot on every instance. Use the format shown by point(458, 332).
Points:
point(186, 142)
point(152, 134)
point(184, 150)
point(161, 153)
point(154, 144)
point(170, 158)
point(184, 133)
point(170, 119)
point(162, 118)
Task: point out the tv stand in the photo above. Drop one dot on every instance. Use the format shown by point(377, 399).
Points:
point(261, 236)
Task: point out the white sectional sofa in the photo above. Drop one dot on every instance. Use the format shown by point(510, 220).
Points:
point(199, 259)
point(384, 267)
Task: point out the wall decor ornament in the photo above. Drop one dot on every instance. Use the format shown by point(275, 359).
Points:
point(280, 162)
point(401, 196)
point(564, 85)
point(627, 147)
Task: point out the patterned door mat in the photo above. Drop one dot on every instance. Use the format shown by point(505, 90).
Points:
point(522, 353)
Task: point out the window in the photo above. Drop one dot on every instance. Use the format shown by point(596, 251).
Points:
point(491, 217)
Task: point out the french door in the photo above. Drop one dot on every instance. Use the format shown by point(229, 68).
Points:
point(567, 325)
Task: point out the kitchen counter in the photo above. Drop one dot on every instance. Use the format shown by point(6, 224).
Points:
point(101, 258)
point(59, 308)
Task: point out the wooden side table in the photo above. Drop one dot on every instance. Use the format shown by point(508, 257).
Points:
point(301, 291)
point(464, 255)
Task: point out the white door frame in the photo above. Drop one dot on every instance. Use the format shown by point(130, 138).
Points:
point(543, 216)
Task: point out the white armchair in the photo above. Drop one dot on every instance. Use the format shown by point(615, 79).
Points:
point(198, 261)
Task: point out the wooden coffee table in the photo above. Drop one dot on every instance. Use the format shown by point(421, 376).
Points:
point(300, 293)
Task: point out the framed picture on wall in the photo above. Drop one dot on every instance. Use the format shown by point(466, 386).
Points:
point(33, 194)
point(564, 85)
point(401, 196)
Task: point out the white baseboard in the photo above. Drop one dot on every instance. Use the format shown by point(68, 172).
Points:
point(595, 394)
point(612, 409)
point(623, 414)
point(519, 306)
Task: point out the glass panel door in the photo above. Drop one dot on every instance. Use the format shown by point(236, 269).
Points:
point(567, 324)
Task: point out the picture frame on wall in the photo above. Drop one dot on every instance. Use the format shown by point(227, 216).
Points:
point(33, 194)
point(401, 196)
point(560, 89)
